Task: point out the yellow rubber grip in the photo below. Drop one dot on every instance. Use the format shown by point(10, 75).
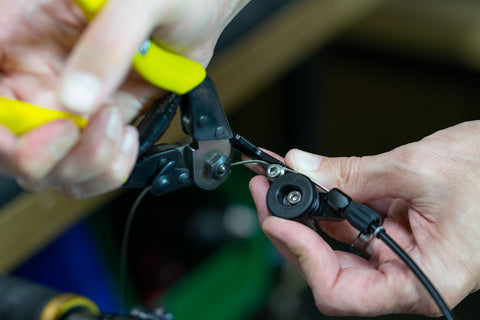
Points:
point(90, 7)
point(157, 65)
point(20, 117)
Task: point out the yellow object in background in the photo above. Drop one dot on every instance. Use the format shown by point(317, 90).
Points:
point(20, 117)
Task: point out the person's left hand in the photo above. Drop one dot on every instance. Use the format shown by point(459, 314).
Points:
point(50, 57)
point(427, 194)
point(36, 39)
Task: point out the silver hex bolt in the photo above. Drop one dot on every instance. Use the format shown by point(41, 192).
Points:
point(274, 171)
point(217, 166)
point(294, 197)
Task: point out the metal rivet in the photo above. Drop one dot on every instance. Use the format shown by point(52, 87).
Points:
point(202, 121)
point(273, 171)
point(217, 166)
point(222, 169)
point(184, 180)
point(219, 131)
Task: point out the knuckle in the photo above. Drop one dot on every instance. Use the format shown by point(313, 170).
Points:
point(348, 171)
point(83, 168)
point(31, 170)
point(99, 158)
point(33, 185)
point(410, 158)
point(117, 174)
point(412, 161)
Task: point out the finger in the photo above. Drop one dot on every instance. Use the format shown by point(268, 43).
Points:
point(341, 231)
point(103, 56)
point(93, 154)
point(273, 226)
point(342, 283)
point(365, 179)
point(39, 150)
point(134, 98)
point(358, 288)
point(115, 175)
point(7, 147)
point(381, 206)
point(258, 188)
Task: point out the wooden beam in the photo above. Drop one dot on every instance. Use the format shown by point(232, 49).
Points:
point(435, 29)
point(32, 220)
point(280, 43)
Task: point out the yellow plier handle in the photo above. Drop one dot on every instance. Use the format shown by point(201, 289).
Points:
point(154, 63)
point(20, 116)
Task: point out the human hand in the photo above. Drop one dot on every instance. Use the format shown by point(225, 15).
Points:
point(47, 59)
point(427, 193)
point(102, 57)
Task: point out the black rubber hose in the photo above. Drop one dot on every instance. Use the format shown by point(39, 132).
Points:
point(382, 235)
point(157, 120)
point(22, 300)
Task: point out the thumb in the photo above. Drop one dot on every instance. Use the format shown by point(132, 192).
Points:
point(103, 55)
point(363, 178)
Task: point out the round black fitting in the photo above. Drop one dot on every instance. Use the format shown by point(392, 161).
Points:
point(293, 196)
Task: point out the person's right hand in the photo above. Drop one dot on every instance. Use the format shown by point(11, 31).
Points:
point(102, 57)
point(51, 57)
point(428, 194)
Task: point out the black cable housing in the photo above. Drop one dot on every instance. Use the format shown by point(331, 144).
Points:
point(334, 205)
point(367, 221)
point(381, 234)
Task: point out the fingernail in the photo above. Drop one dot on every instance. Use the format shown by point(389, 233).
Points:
point(60, 146)
point(35, 185)
point(80, 91)
point(113, 124)
point(304, 161)
point(129, 141)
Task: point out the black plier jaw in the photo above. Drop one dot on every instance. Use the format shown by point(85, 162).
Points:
point(204, 160)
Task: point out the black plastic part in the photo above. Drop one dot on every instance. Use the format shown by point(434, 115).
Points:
point(171, 178)
point(138, 313)
point(244, 146)
point(359, 215)
point(279, 206)
point(337, 200)
point(163, 168)
point(382, 235)
point(334, 205)
point(22, 300)
point(79, 316)
point(170, 167)
point(203, 117)
point(157, 120)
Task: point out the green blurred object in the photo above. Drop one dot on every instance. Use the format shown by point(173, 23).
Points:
point(234, 283)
